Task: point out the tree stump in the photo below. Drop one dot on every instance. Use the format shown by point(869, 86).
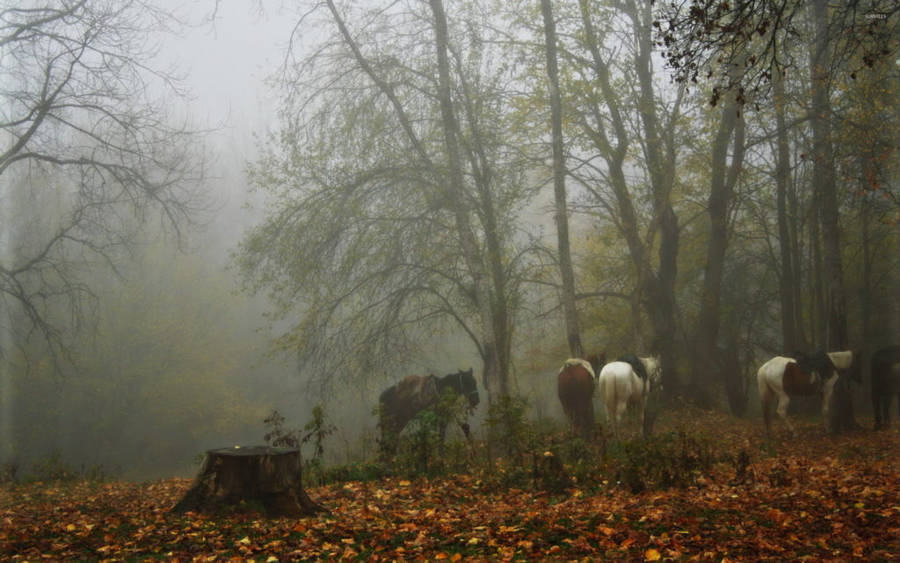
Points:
point(256, 474)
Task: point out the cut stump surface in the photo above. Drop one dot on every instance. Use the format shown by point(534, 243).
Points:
point(255, 474)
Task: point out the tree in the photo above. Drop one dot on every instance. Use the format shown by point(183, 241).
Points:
point(619, 127)
point(789, 275)
point(393, 197)
point(85, 125)
point(824, 181)
point(704, 39)
point(567, 292)
point(723, 177)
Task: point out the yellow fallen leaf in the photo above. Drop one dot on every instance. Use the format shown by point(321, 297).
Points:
point(244, 540)
point(652, 555)
point(70, 528)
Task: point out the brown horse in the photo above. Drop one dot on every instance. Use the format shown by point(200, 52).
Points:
point(575, 386)
point(400, 403)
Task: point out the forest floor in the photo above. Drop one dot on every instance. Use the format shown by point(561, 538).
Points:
point(819, 498)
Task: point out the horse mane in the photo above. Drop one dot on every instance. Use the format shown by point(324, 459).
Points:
point(818, 362)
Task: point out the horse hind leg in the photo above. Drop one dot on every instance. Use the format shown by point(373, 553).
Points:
point(619, 410)
point(611, 418)
point(571, 418)
point(589, 423)
point(639, 408)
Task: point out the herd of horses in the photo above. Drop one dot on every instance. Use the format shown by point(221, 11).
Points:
point(629, 381)
point(626, 382)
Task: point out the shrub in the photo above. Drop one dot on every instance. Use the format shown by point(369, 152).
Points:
point(509, 433)
point(664, 461)
point(314, 432)
point(54, 468)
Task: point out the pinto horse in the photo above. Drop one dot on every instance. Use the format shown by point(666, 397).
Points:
point(782, 377)
point(621, 385)
point(885, 384)
point(575, 387)
point(401, 402)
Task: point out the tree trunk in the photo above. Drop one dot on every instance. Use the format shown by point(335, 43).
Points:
point(787, 277)
point(260, 475)
point(836, 337)
point(722, 181)
point(802, 340)
point(559, 186)
point(824, 179)
point(660, 153)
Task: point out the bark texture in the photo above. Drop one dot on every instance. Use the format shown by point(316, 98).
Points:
point(260, 475)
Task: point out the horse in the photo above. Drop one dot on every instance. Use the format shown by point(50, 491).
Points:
point(885, 367)
point(621, 384)
point(782, 377)
point(575, 387)
point(401, 402)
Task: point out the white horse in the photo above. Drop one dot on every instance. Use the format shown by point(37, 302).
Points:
point(781, 377)
point(620, 387)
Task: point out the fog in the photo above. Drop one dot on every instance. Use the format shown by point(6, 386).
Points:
point(157, 334)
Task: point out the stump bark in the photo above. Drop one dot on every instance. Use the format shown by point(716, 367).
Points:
point(263, 475)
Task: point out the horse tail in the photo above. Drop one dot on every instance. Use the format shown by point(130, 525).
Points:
point(603, 387)
point(614, 385)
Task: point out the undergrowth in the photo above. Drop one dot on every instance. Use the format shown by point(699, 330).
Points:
point(54, 468)
point(515, 451)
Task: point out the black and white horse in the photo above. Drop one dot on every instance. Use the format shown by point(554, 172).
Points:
point(621, 385)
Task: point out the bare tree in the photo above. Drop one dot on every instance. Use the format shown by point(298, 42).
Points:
point(85, 121)
point(618, 124)
point(393, 196)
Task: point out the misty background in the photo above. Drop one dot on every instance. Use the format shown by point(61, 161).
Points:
point(169, 351)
